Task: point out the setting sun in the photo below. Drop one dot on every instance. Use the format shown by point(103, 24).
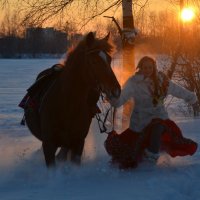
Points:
point(187, 14)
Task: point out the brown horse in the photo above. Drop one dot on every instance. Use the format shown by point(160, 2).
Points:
point(68, 106)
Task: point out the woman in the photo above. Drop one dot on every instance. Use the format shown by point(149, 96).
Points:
point(149, 119)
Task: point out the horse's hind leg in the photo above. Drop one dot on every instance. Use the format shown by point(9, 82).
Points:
point(49, 150)
point(77, 150)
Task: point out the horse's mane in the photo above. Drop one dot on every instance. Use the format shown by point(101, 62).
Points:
point(77, 53)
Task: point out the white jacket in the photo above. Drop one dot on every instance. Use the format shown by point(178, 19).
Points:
point(137, 87)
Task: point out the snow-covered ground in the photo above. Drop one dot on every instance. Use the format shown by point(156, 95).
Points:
point(23, 175)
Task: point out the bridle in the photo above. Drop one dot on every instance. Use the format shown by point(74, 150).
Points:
point(107, 60)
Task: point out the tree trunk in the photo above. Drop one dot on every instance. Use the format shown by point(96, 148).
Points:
point(180, 46)
point(128, 37)
point(128, 53)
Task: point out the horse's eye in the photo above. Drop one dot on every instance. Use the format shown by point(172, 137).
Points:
point(103, 56)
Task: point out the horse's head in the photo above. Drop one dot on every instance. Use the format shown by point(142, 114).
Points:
point(98, 61)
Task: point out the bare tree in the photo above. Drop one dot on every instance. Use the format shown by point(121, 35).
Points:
point(186, 61)
point(10, 25)
point(38, 11)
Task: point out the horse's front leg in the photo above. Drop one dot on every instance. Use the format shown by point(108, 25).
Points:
point(49, 150)
point(62, 154)
point(77, 150)
point(77, 144)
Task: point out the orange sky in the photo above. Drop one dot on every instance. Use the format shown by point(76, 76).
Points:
point(154, 5)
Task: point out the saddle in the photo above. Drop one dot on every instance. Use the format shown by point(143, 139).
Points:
point(36, 92)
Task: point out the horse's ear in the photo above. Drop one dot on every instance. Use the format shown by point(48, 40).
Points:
point(90, 38)
point(107, 37)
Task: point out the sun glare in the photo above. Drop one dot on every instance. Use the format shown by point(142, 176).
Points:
point(187, 14)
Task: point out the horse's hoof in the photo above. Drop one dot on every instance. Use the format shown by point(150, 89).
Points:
point(51, 165)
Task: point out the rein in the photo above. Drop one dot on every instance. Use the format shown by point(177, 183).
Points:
point(102, 122)
point(102, 128)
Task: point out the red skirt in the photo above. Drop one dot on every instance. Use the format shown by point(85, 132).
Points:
point(126, 149)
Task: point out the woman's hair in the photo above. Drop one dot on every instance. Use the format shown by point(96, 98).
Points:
point(147, 59)
point(157, 92)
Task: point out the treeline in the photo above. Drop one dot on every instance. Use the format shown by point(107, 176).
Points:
point(35, 43)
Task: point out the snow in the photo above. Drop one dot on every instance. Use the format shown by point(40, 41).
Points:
point(23, 175)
